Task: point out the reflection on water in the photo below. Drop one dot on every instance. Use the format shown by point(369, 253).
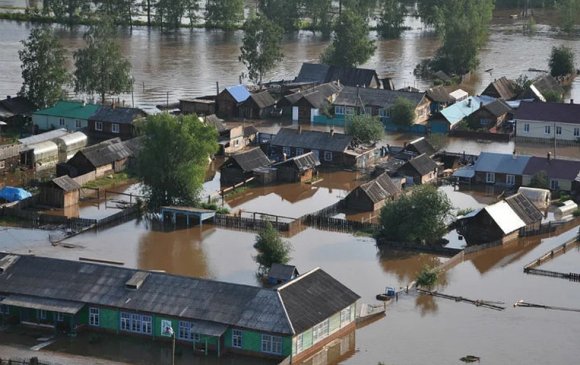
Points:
point(335, 352)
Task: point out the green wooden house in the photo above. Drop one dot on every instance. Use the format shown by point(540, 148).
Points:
point(71, 115)
point(289, 321)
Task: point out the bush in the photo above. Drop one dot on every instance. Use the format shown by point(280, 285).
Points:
point(427, 277)
point(271, 249)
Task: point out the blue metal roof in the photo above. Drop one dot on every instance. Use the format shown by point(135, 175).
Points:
point(460, 110)
point(239, 92)
point(501, 163)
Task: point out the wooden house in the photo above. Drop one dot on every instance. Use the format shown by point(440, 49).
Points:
point(315, 73)
point(295, 319)
point(230, 100)
point(418, 147)
point(101, 159)
point(559, 173)
point(328, 147)
point(500, 168)
point(298, 168)
point(281, 273)
point(200, 106)
point(500, 221)
point(111, 121)
point(305, 105)
point(420, 170)
point(490, 115)
point(502, 88)
point(542, 88)
point(439, 97)
point(373, 195)
point(258, 106)
point(240, 166)
point(9, 157)
point(60, 192)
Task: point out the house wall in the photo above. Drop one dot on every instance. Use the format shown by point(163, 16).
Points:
point(500, 178)
point(104, 170)
point(359, 200)
point(45, 122)
point(484, 119)
point(56, 197)
point(537, 130)
point(232, 176)
point(337, 158)
point(304, 111)
point(563, 184)
point(199, 108)
point(252, 342)
point(480, 229)
point(227, 107)
point(126, 131)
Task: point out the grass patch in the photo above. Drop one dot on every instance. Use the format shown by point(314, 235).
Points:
point(10, 221)
point(368, 232)
point(109, 181)
point(237, 191)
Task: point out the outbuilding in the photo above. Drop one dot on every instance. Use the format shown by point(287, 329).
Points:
point(297, 169)
point(371, 196)
point(60, 192)
point(230, 99)
point(421, 170)
point(240, 166)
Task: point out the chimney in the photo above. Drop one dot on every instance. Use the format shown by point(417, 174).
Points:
point(469, 103)
point(571, 100)
point(299, 129)
point(480, 104)
point(514, 154)
point(331, 132)
point(549, 156)
point(8, 97)
point(217, 88)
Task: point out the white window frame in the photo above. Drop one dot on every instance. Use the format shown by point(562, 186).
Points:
point(490, 177)
point(558, 130)
point(328, 156)
point(320, 331)
point(286, 151)
point(510, 180)
point(349, 110)
point(115, 128)
point(547, 129)
point(300, 343)
point(271, 344)
point(527, 128)
point(59, 317)
point(339, 110)
point(125, 324)
point(136, 323)
point(94, 317)
point(576, 132)
point(385, 112)
point(345, 315)
point(299, 151)
point(184, 332)
point(237, 339)
point(98, 126)
point(554, 185)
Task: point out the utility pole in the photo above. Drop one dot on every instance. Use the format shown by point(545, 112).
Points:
point(554, 139)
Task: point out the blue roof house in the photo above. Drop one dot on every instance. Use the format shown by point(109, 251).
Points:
point(457, 112)
point(230, 100)
point(500, 169)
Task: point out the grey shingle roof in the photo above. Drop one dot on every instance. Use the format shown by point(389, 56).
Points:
point(251, 159)
point(312, 72)
point(502, 163)
point(503, 88)
point(262, 99)
point(420, 146)
point(423, 164)
point(555, 168)
point(524, 208)
point(353, 96)
point(117, 115)
point(313, 297)
point(350, 76)
point(317, 96)
point(497, 108)
point(302, 162)
point(312, 140)
point(17, 105)
point(66, 183)
point(439, 94)
point(282, 271)
point(380, 188)
point(106, 152)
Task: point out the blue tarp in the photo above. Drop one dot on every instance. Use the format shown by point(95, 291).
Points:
point(12, 194)
point(239, 92)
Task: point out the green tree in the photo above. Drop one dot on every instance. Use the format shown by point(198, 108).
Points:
point(552, 96)
point(174, 157)
point(284, 13)
point(351, 45)
point(390, 22)
point(261, 47)
point(428, 11)
point(427, 277)
point(569, 14)
point(100, 67)
point(68, 11)
point(416, 217)
point(319, 11)
point(43, 66)
point(403, 112)
point(561, 61)
point(271, 249)
point(117, 11)
point(169, 13)
point(365, 128)
point(540, 180)
point(224, 14)
point(364, 8)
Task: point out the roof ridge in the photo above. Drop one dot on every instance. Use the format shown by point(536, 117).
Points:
point(296, 279)
point(285, 312)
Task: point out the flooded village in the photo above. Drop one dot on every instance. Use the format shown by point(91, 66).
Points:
point(89, 274)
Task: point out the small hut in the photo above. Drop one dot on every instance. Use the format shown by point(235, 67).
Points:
point(240, 166)
point(61, 192)
point(372, 195)
point(297, 169)
point(280, 274)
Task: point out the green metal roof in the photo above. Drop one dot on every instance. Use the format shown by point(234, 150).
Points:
point(70, 109)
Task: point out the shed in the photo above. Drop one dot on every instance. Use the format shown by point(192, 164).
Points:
point(39, 156)
point(372, 195)
point(281, 273)
point(502, 88)
point(240, 166)
point(60, 192)
point(70, 144)
point(230, 99)
point(199, 106)
point(422, 169)
point(297, 169)
point(102, 158)
point(257, 106)
point(420, 146)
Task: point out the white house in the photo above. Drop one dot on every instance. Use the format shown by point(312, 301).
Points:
point(548, 121)
point(70, 115)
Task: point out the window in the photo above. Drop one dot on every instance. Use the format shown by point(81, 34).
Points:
point(327, 156)
point(368, 110)
point(527, 127)
point(61, 122)
point(576, 132)
point(299, 151)
point(271, 344)
point(59, 317)
point(94, 317)
point(320, 331)
point(339, 110)
point(547, 129)
point(300, 343)
point(286, 151)
point(510, 180)
point(554, 185)
point(98, 126)
point(345, 315)
point(78, 124)
point(4, 309)
point(237, 339)
point(558, 130)
point(115, 128)
point(185, 332)
point(137, 323)
point(236, 142)
point(349, 110)
point(490, 177)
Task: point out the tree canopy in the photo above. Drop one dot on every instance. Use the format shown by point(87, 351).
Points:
point(169, 13)
point(365, 128)
point(172, 162)
point(271, 248)
point(261, 48)
point(540, 180)
point(569, 14)
point(416, 217)
point(403, 112)
point(391, 19)
point(43, 68)
point(561, 61)
point(224, 14)
point(284, 13)
point(101, 68)
point(351, 45)
point(319, 12)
